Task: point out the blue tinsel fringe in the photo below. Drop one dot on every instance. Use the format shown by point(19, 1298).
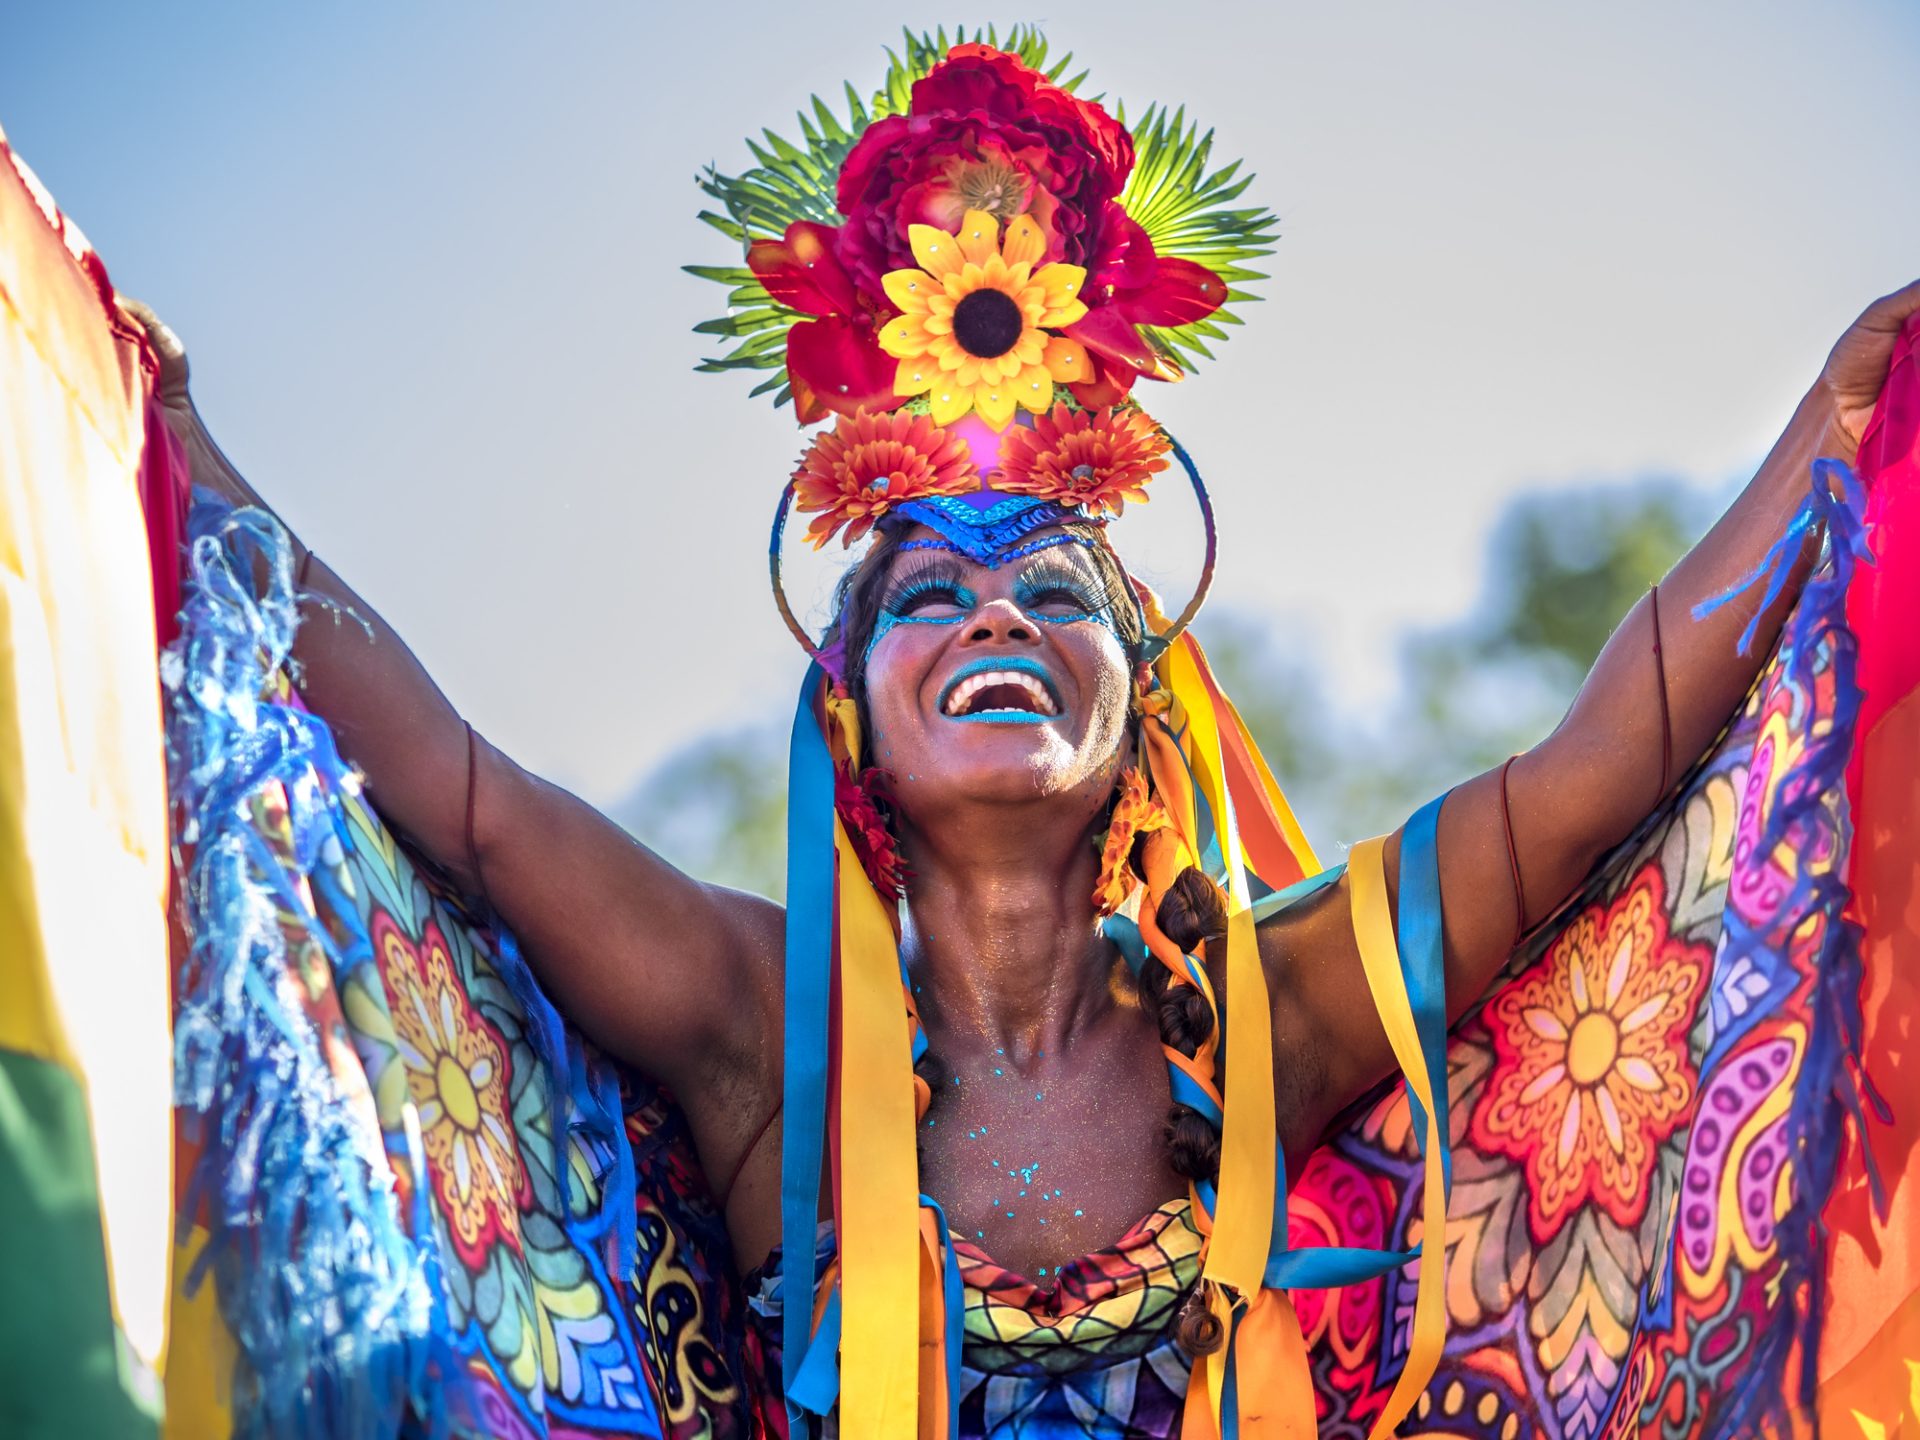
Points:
point(1809, 810)
point(327, 1293)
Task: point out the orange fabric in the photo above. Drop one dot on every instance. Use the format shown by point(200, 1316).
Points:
point(1873, 1266)
point(1276, 846)
point(1172, 785)
point(1275, 1385)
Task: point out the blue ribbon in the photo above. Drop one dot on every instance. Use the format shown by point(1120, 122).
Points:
point(1424, 965)
point(816, 1382)
point(809, 973)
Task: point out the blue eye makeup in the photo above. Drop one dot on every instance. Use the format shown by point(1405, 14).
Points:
point(933, 590)
point(926, 592)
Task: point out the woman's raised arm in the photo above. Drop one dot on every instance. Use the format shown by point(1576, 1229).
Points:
point(1655, 699)
point(672, 975)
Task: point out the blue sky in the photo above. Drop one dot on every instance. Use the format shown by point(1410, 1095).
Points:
point(425, 258)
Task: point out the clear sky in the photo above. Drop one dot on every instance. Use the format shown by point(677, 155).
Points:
point(426, 261)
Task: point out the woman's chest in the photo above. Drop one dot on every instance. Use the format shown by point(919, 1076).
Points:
point(1042, 1163)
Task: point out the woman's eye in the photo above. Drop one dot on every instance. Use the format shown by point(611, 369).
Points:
point(1057, 599)
point(932, 598)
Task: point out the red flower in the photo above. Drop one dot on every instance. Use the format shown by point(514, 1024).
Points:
point(835, 363)
point(984, 132)
point(855, 801)
point(1129, 284)
point(1095, 460)
point(868, 463)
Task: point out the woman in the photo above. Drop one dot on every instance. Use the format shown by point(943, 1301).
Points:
point(1001, 689)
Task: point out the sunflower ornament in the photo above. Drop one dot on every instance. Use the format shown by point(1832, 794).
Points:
point(972, 333)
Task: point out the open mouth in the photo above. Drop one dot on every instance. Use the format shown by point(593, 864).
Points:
point(1000, 692)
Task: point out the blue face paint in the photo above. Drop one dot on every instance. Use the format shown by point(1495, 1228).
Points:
point(1054, 591)
point(1061, 593)
point(930, 599)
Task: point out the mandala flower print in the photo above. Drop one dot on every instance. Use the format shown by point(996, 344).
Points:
point(869, 463)
point(457, 1080)
point(971, 334)
point(984, 132)
point(1591, 1068)
point(1093, 460)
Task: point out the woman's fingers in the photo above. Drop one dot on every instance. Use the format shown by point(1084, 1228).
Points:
point(1857, 367)
point(1890, 312)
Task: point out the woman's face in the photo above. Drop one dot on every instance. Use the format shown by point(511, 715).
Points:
point(1003, 685)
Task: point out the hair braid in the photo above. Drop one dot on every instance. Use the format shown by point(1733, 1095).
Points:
point(1190, 912)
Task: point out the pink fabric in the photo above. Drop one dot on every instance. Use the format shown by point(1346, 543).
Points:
point(164, 486)
point(1884, 599)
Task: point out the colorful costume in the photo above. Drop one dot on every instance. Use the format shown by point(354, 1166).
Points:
point(1649, 1186)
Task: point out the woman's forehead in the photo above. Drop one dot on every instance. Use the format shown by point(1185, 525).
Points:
point(924, 542)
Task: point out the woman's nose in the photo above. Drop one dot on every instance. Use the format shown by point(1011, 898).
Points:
point(1000, 620)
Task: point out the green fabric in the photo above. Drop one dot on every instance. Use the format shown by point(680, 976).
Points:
point(64, 1369)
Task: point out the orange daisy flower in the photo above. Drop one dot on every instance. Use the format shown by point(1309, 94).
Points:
point(971, 333)
point(1093, 459)
point(872, 461)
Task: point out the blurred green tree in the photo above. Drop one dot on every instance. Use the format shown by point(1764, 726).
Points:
point(1562, 568)
point(718, 810)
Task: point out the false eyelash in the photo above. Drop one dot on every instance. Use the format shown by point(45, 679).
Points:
point(926, 577)
point(922, 568)
point(1053, 576)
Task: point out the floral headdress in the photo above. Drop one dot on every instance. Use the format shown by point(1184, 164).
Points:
point(965, 279)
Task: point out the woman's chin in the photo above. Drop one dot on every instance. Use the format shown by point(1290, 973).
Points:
point(1002, 763)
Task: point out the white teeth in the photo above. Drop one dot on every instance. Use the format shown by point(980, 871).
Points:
point(973, 684)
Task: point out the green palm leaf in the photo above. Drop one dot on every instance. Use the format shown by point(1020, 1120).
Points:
point(1188, 212)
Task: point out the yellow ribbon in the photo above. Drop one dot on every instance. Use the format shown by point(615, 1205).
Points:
point(879, 1191)
point(1275, 1392)
point(1380, 959)
point(1243, 1219)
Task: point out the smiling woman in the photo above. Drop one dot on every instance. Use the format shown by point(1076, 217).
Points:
point(1059, 1099)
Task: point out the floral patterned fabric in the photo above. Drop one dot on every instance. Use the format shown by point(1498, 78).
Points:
point(552, 1342)
point(1618, 1114)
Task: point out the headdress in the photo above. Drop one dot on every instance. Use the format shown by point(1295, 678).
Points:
point(962, 281)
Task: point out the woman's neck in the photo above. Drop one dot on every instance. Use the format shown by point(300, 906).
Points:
point(1001, 941)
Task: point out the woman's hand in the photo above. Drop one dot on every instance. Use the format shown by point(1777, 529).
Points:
point(1857, 368)
point(205, 461)
point(172, 389)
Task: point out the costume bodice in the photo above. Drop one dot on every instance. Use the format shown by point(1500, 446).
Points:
point(1090, 1354)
